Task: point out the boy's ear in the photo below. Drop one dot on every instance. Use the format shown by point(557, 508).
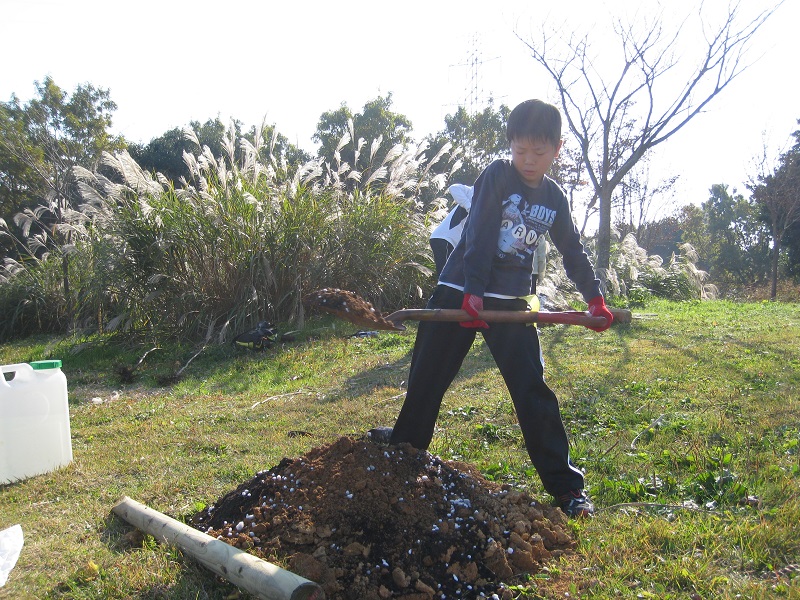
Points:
point(558, 147)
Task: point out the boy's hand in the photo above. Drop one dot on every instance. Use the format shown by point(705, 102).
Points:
point(597, 308)
point(472, 304)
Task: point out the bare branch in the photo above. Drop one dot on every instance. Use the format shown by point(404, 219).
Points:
point(617, 119)
point(725, 52)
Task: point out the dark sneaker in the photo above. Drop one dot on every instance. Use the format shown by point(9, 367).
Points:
point(576, 504)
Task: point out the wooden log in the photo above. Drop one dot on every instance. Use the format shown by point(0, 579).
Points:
point(248, 572)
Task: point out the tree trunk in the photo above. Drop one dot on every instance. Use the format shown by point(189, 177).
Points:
point(775, 256)
point(603, 263)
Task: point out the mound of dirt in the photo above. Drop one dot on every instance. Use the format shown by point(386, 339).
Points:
point(372, 522)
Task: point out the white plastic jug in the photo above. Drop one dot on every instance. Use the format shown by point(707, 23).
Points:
point(34, 420)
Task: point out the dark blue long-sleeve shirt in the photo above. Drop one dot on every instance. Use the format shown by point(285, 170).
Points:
point(506, 222)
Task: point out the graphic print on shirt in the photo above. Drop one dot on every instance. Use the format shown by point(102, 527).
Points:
point(521, 228)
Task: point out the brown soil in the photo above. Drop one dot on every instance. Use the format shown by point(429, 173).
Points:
point(372, 522)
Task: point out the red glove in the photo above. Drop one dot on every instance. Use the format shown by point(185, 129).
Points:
point(597, 308)
point(472, 304)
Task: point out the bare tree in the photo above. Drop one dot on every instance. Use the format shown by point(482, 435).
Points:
point(617, 117)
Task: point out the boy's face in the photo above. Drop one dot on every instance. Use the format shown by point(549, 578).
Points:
point(533, 158)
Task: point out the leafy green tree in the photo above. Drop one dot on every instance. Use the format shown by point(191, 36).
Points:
point(735, 242)
point(65, 130)
point(43, 141)
point(478, 139)
point(777, 193)
point(691, 223)
point(164, 154)
point(20, 183)
point(51, 134)
point(792, 245)
point(377, 125)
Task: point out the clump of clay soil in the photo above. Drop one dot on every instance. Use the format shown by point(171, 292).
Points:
point(372, 522)
point(349, 306)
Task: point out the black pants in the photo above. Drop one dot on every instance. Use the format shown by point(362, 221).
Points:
point(439, 350)
point(441, 252)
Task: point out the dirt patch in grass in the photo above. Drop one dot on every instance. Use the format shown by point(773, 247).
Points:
point(369, 521)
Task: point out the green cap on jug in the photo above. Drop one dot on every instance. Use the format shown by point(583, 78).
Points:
point(46, 364)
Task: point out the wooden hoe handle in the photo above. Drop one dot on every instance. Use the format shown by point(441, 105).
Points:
point(505, 316)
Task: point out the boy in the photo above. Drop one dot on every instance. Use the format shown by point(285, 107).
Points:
point(514, 204)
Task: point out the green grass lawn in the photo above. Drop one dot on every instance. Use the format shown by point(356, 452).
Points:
point(687, 423)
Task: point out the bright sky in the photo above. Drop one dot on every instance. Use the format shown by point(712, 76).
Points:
point(169, 62)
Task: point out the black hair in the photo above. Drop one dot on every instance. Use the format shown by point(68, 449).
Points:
point(534, 120)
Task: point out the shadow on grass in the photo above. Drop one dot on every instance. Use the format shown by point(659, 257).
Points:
point(697, 343)
point(395, 373)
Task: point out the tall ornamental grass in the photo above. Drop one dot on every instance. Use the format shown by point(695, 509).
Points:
point(634, 278)
point(242, 242)
point(635, 275)
point(31, 296)
point(54, 249)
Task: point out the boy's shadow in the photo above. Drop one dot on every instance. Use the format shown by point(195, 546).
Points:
point(394, 374)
